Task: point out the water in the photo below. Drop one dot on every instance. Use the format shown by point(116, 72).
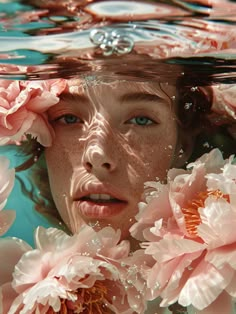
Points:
point(117, 50)
point(41, 39)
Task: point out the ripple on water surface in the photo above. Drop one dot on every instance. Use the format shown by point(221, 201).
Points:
point(46, 39)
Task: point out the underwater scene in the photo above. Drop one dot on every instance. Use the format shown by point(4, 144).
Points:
point(117, 157)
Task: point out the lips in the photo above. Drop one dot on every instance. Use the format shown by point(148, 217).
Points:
point(100, 202)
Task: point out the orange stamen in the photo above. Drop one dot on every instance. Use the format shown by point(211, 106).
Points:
point(191, 213)
point(89, 301)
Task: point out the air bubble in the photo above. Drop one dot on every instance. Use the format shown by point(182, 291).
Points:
point(96, 242)
point(157, 286)
point(135, 306)
point(187, 105)
point(206, 144)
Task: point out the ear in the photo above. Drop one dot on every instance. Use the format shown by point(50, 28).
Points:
point(184, 149)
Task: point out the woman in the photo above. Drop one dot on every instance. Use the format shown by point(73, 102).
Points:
point(111, 136)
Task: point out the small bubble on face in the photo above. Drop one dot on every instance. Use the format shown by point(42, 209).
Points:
point(194, 88)
point(187, 105)
point(181, 153)
point(170, 146)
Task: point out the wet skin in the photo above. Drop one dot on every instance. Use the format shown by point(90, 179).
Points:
point(109, 140)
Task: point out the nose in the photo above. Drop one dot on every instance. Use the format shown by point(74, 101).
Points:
point(99, 155)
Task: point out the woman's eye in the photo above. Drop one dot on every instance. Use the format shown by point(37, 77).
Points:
point(141, 120)
point(69, 119)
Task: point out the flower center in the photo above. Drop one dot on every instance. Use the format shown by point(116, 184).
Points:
point(191, 214)
point(88, 301)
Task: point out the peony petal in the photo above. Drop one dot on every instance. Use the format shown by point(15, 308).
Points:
point(205, 285)
point(157, 208)
point(231, 288)
point(223, 304)
point(11, 250)
point(6, 219)
point(41, 130)
point(7, 177)
point(212, 161)
point(47, 292)
point(222, 256)
point(42, 102)
point(7, 295)
point(50, 239)
point(167, 249)
point(218, 223)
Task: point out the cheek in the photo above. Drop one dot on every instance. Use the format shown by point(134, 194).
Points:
point(61, 159)
point(152, 155)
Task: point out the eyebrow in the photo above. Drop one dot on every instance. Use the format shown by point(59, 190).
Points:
point(74, 97)
point(139, 96)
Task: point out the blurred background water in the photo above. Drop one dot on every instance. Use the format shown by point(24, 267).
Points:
point(42, 39)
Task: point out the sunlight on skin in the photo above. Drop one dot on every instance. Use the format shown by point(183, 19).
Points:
point(109, 139)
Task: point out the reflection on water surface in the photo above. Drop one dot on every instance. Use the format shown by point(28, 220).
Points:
point(41, 39)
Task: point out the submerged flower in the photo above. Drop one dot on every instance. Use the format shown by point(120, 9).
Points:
point(23, 106)
point(7, 177)
point(224, 101)
point(89, 272)
point(193, 245)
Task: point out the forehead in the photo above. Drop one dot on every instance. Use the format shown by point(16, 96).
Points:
point(118, 88)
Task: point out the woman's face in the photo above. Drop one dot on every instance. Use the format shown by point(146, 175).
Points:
point(109, 140)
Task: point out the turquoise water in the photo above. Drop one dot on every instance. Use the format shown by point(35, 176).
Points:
point(27, 218)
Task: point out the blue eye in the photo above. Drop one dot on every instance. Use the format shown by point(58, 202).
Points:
point(141, 120)
point(69, 119)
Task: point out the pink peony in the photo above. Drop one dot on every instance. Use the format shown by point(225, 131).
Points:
point(224, 103)
point(88, 272)
point(23, 106)
point(194, 243)
point(11, 250)
point(7, 177)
